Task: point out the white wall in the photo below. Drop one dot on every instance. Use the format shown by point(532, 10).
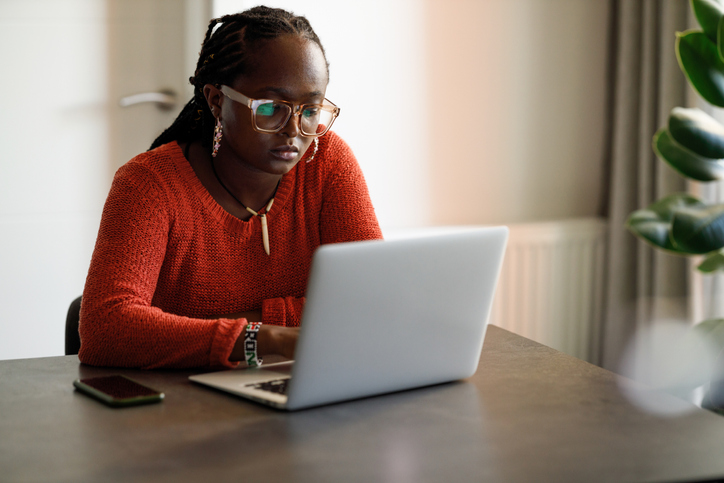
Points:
point(525, 82)
point(53, 124)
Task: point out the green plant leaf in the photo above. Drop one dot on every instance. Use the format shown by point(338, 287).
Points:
point(653, 224)
point(708, 13)
point(698, 230)
point(699, 60)
point(697, 131)
point(720, 39)
point(686, 162)
point(712, 263)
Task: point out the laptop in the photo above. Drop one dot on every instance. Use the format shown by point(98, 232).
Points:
point(382, 316)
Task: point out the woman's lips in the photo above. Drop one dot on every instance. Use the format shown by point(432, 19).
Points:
point(286, 152)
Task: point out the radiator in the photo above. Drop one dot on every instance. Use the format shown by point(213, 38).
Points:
point(551, 285)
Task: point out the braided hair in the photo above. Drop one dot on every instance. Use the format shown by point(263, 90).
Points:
point(224, 56)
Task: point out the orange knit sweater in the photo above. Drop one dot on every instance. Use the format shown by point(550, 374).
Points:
point(168, 257)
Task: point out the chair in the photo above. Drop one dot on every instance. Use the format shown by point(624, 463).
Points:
point(72, 338)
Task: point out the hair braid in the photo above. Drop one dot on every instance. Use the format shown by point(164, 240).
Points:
point(223, 57)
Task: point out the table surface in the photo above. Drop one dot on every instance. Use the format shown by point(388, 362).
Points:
point(530, 413)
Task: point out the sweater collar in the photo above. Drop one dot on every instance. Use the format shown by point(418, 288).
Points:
point(230, 222)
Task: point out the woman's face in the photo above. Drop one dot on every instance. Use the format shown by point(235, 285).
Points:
point(287, 68)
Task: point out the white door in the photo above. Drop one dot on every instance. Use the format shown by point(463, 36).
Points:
point(67, 63)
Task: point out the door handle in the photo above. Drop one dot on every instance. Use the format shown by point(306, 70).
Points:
point(165, 99)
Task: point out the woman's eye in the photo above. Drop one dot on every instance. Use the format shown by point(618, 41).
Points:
point(267, 109)
point(310, 112)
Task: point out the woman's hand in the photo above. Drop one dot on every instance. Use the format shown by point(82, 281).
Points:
point(271, 339)
point(274, 339)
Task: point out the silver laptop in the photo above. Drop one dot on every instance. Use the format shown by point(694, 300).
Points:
point(383, 316)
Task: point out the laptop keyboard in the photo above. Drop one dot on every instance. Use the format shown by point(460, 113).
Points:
point(278, 386)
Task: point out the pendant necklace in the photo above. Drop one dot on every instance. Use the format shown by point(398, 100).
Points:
point(262, 216)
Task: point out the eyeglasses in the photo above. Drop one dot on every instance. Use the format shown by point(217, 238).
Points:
point(271, 116)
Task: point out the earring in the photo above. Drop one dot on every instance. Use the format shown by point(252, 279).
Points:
point(217, 138)
point(314, 153)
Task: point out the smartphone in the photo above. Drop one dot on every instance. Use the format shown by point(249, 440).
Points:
point(118, 391)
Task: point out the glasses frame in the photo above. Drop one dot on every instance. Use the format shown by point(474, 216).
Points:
point(295, 110)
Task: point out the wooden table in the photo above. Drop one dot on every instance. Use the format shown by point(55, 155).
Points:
point(529, 414)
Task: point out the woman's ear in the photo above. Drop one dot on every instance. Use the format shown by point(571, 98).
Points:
point(214, 98)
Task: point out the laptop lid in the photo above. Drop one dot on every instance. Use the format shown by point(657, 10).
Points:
point(385, 316)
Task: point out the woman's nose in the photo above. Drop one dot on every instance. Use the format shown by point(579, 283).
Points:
point(293, 126)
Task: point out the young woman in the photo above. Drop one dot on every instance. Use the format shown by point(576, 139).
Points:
point(213, 229)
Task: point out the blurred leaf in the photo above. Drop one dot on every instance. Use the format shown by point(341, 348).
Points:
point(712, 263)
point(720, 39)
point(713, 330)
point(699, 60)
point(708, 13)
point(653, 224)
point(697, 131)
point(707, 403)
point(698, 352)
point(686, 162)
point(698, 230)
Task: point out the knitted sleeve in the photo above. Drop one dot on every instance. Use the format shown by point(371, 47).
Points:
point(118, 325)
point(347, 215)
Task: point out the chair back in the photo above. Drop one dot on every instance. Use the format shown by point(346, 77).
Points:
point(72, 337)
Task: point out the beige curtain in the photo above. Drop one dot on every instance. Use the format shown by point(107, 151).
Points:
point(643, 285)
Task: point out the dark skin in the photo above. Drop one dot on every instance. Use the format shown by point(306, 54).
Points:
point(251, 163)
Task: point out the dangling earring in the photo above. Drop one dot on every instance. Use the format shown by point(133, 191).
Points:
point(314, 153)
point(217, 138)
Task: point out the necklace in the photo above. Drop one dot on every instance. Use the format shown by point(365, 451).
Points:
point(262, 216)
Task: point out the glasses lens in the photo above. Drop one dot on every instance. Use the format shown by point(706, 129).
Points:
point(270, 115)
point(316, 119)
